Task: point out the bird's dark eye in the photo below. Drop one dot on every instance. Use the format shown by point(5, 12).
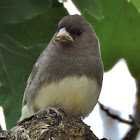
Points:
point(75, 32)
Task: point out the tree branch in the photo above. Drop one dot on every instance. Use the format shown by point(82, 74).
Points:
point(114, 116)
point(45, 126)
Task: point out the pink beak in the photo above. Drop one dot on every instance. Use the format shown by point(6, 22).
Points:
point(63, 36)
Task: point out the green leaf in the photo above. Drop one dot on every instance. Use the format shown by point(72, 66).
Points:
point(38, 30)
point(15, 11)
point(20, 46)
point(93, 7)
point(137, 4)
point(119, 34)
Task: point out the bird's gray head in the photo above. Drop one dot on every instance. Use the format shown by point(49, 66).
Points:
point(75, 33)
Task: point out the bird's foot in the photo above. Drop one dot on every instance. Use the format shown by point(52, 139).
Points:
point(60, 112)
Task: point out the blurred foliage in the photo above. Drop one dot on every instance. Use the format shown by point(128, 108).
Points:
point(24, 33)
point(15, 11)
point(137, 4)
point(92, 7)
point(27, 26)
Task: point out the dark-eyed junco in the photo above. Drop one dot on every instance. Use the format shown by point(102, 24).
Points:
point(68, 73)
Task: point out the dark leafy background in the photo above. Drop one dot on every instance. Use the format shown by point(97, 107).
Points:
point(22, 38)
point(27, 26)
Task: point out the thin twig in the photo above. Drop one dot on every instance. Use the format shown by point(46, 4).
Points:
point(132, 133)
point(114, 116)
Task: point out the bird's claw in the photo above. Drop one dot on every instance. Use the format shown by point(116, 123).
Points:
point(51, 110)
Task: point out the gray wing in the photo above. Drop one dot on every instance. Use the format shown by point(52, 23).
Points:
point(32, 76)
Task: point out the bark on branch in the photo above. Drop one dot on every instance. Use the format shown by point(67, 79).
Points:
point(47, 126)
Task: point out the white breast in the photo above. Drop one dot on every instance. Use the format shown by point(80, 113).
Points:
point(77, 95)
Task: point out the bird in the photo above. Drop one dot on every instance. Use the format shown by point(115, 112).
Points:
point(68, 73)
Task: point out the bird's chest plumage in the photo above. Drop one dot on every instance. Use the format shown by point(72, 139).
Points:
point(69, 82)
point(77, 95)
point(64, 82)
